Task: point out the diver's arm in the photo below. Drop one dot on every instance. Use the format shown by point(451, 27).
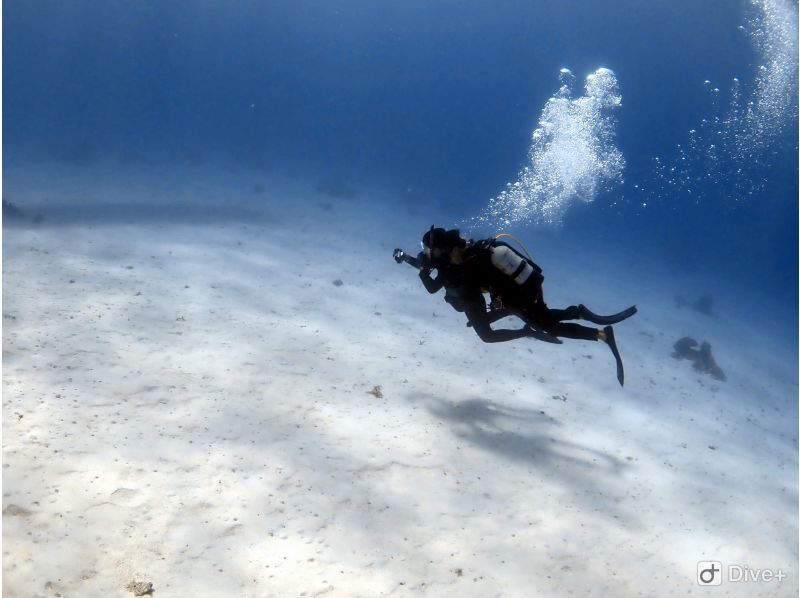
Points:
point(423, 264)
point(419, 262)
point(432, 285)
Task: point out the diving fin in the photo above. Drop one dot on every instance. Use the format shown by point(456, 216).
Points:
point(589, 316)
point(612, 343)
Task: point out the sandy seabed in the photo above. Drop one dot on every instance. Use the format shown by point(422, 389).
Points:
point(221, 384)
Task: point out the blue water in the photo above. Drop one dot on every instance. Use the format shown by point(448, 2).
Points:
point(431, 100)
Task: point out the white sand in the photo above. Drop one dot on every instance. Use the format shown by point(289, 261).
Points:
point(186, 402)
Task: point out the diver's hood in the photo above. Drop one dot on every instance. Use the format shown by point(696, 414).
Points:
point(442, 239)
point(434, 237)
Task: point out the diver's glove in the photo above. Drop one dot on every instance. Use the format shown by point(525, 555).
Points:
point(399, 256)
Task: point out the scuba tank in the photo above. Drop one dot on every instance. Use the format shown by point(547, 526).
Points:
point(519, 270)
point(512, 264)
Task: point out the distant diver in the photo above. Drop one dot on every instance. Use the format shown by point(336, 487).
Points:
point(467, 269)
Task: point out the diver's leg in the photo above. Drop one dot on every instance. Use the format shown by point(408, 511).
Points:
point(581, 312)
point(535, 328)
point(480, 320)
point(541, 335)
point(533, 331)
point(491, 316)
point(537, 310)
point(496, 314)
point(575, 331)
point(546, 319)
point(537, 315)
point(487, 335)
point(570, 313)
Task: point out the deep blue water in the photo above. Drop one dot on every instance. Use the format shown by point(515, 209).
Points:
point(439, 98)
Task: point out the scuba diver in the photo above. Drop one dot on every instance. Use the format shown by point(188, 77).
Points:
point(468, 268)
point(462, 297)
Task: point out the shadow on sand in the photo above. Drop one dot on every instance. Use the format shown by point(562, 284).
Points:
point(533, 439)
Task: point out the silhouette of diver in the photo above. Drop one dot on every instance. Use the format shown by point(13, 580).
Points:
point(466, 269)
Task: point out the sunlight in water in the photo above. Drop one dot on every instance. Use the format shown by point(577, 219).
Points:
point(572, 155)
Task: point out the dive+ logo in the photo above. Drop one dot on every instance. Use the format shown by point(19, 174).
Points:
point(709, 573)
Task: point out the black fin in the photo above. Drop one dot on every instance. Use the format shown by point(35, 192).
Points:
point(589, 316)
point(612, 342)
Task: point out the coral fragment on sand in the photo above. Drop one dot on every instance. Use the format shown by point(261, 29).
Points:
point(140, 588)
point(702, 357)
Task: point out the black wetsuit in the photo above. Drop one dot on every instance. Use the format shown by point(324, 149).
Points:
point(526, 300)
point(467, 299)
point(515, 284)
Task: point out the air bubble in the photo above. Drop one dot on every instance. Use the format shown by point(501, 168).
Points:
point(733, 147)
point(573, 155)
